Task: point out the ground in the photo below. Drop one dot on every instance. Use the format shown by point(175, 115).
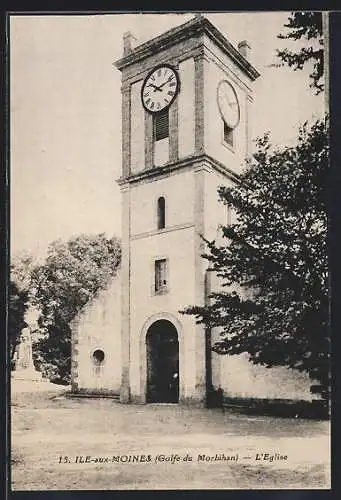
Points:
point(46, 427)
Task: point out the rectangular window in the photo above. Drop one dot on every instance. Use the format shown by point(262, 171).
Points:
point(228, 135)
point(160, 275)
point(161, 125)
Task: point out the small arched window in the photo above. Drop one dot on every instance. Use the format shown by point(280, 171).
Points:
point(161, 213)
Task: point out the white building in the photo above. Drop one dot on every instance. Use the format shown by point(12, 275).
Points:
point(186, 126)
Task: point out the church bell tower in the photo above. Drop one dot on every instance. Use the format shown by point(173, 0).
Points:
point(186, 111)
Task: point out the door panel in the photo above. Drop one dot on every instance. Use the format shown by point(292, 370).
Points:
point(162, 363)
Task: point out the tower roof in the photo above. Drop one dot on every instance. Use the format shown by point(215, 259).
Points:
point(196, 26)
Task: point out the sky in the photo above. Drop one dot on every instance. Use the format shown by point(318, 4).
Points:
point(65, 113)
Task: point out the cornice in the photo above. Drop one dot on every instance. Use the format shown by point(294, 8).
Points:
point(198, 161)
point(193, 28)
point(168, 229)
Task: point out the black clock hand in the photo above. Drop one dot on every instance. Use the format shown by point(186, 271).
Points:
point(164, 83)
point(155, 87)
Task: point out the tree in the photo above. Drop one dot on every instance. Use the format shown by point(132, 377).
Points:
point(22, 265)
point(17, 306)
point(306, 26)
point(273, 302)
point(71, 276)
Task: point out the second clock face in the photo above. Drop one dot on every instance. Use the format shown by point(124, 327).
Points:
point(160, 88)
point(228, 104)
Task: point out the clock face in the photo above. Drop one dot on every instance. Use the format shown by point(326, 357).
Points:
point(160, 88)
point(228, 104)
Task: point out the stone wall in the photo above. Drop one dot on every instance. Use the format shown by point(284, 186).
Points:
point(97, 332)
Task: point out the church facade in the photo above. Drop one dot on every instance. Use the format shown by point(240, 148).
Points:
point(187, 98)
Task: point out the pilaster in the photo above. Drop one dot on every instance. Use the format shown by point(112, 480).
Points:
point(173, 128)
point(125, 277)
point(126, 130)
point(200, 334)
point(199, 104)
point(74, 356)
point(148, 141)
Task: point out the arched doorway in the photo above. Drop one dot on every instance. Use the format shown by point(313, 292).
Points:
point(162, 346)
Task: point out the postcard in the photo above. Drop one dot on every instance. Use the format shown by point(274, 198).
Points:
point(168, 295)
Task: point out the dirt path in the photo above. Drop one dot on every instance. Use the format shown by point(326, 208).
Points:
point(158, 447)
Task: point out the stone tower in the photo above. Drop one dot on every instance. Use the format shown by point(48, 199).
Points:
point(186, 107)
point(186, 129)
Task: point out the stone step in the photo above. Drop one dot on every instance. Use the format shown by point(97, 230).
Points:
point(115, 397)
